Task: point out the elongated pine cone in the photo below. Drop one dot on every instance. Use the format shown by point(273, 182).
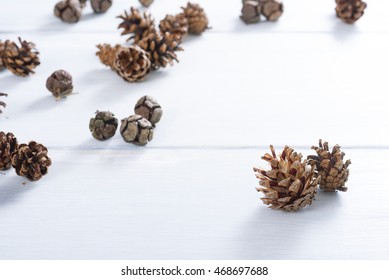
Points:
point(176, 25)
point(161, 49)
point(20, 60)
point(2, 49)
point(132, 63)
point(31, 161)
point(289, 184)
point(331, 168)
point(2, 103)
point(107, 54)
point(8, 145)
point(350, 10)
point(137, 25)
point(197, 19)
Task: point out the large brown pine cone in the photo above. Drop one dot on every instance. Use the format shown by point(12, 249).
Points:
point(31, 161)
point(350, 10)
point(197, 19)
point(107, 54)
point(176, 25)
point(136, 24)
point(20, 60)
point(2, 103)
point(289, 184)
point(8, 145)
point(132, 63)
point(2, 49)
point(331, 168)
point(161, 49)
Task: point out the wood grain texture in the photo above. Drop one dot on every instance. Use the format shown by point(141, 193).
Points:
point(190, 194)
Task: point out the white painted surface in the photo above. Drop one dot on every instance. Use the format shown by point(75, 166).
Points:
point(190, 193)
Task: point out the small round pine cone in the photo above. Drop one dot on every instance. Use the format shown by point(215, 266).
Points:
point(251, 11)
point(161, 49)
point(149, 108)
point(137, 130)
point(289, 184)
point(107, 54)
point(331, 168)
point(20, 60)
point(60, 84)
point(31, 161)
point(103, 126)
point(271, 9)
point(100, 6)
point(2, 50)
point(8, 145)
point(197, 19)
point(132, 63)
point(146, 3)
point(137, 25)
point(2, 103)
point(68, 10)
point(350, 10)
point(176, 25)
point(82, 3)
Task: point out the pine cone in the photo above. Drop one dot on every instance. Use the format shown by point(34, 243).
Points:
point(83, 3)
point(271, 9)
point(137, 25)
point(60, 84)
point(20, 60)
point(350, 10)
point(31, 161)
point(161, 49)
point(2, 51)
point(149, 108)
point(289, 184)
point(251, 12)
point(68, 10)
point(132, 63)
point(2, 104)
point(176, 25)
point(107, 54)
point(100, 6)
point(330, 167)
point(146, 3)
point(8, 145)
point(103, 126)
point(197, 19)
point(137, 130)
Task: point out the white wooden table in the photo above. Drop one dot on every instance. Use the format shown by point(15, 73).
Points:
point(190, 194)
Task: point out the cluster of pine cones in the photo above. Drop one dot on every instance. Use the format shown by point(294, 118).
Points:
point(71, 10)
point(20, 60)
point(291, 183)
point(29, 160)
point(151, 49)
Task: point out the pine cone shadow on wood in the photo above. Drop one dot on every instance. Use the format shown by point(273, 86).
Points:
point(289, 184)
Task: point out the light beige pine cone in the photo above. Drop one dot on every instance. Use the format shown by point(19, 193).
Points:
point(197, 19)
point(132, 63)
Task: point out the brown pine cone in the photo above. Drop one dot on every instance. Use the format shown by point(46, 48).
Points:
point(146, 3)
point(149, 108)
point(8, 145)
point(137, 25)
point(176, 25)
point(100, 6)
point(251, 11)
point(161, 49)
point(289, 184)
point(132, 63)
point(197, 19)
point(31, 161)
point(350, 10)
point(2, 50)
point(271, 9)
point(137, 130)
point(60, 84)
point(68, 10)
point(103, 126)
point(2, 104)
point(107, 54)
point(20, 60)
point(331, 168)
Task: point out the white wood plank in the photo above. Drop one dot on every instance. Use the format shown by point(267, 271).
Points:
point(186, 204)
point(228, 90)
point(299, 16)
